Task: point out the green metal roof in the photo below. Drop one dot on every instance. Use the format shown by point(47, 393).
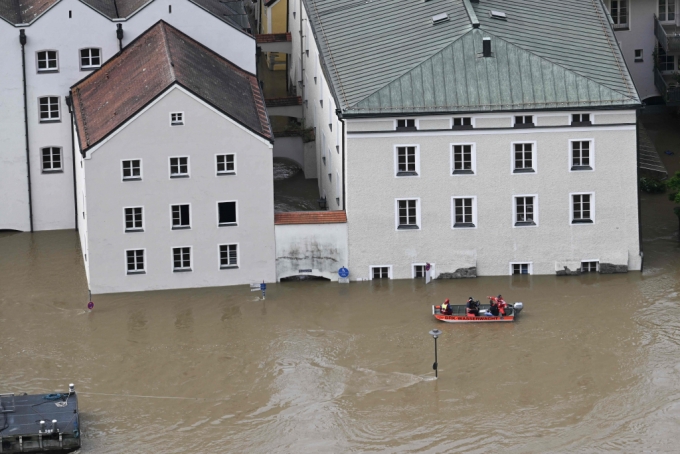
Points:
point(386, 57)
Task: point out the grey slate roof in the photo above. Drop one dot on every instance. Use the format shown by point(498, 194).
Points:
point(385, 57)
point(18, 12)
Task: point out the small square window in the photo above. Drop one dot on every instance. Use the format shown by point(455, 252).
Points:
point(524, 121)
point(181, 259)
point(135, 261)
point(638, 56)
point(47, 61)
point(177, 119)
point(226, 164)
point(407, 161)
point(521, 268)
point(380, 272)
point(49, 109)
point(181, 218)
point(462, 123)
point(581, 120)
point(405, 124)
point(90, 58)
point(418, 271)
point(590, 266)
point(228, 256)
point(179, 167)
point(134, 220)
point(226, 212)
point(132, 169)
point(51, 160)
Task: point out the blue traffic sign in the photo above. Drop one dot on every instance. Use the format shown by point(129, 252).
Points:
point(343, 272)
point(263, 286)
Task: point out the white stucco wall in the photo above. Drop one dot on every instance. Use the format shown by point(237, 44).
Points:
point(150, 138)
point(52, 193)
point(321, 248)
point(372, 189)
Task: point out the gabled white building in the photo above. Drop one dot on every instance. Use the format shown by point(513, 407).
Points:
point(483, 138)
point(47, 46)
point(174, 169)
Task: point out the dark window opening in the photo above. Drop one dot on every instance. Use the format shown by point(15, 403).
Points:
point(380, 272)
point(227, 213)
point(406, 125)
point(462, 123)
point(180, 217)
point(524, 121)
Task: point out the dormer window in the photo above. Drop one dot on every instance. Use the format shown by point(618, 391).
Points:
point(462, 123)
point(177, 119)
point(524, 121)
point(581, 120)
point(405, 124)
point(47, 61)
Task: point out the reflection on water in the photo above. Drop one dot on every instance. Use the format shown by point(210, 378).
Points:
point(590, 366)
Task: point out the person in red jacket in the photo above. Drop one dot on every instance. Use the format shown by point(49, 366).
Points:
point(500, 302)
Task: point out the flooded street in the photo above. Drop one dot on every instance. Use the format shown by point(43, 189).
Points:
point(592, 364)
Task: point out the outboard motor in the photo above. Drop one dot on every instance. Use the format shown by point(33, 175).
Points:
point(518, 307)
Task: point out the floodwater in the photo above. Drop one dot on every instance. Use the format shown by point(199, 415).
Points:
point(592, 364)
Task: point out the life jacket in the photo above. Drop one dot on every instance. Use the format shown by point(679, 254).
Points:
point(445, 307)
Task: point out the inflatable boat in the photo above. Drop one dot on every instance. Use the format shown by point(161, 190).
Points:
point(459, 314)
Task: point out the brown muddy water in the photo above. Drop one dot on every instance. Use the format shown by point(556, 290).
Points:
point(592, 365)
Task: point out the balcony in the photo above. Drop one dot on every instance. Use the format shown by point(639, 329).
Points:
point(668, 86)
point(668, 36)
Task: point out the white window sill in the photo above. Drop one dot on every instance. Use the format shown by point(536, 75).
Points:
point(53, 171)
point(408, 227)
point(136, 272)
point(180, 175)
point(228, 267)
point(132, 178)
point(133, 230)
point(227, 224)
point(181, 270)
point(50, 120)
point(231, 172)
point(181, 227)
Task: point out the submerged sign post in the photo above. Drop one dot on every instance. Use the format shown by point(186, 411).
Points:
point(263, 287)
point(343, 275)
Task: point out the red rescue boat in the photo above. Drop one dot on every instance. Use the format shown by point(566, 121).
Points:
point(459, 314)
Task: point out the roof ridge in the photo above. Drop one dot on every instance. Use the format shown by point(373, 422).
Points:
point(166, 45)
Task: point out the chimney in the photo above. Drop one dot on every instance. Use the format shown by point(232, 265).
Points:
point(486, 47)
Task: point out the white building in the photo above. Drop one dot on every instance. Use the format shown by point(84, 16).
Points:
point(61, 41)
point(484, 138)
point(174, 169)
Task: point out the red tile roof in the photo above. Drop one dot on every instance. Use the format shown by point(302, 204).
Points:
point(18, 12)
point(310, 217)
point(158, 59)
point(273, 38)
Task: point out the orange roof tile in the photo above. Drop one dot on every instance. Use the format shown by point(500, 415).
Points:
point(310, 217)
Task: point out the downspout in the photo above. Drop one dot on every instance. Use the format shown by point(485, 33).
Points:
point(119, 35)
point(302, 73)
point(22, 40)
point(342, 157)
point(69, 103)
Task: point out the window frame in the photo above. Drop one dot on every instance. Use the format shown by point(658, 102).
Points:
point(462, 127)
point(172, 217)
point(666, 13)
point(597, 265)
point(415, 127)
point(136, 271)
point(534, 158)
point(581, 122)
point(397, 173)
point(523, 124)
point(180, 122)
point(181, 269)
point(640, 58)
point(473, 159)
point(530, 268)
point(89, 67)
point(179, 175)
point(46, 70)
point(661, 53)
point(524, 224)
point(226, 172)
point(406, 227)
point(389, 272)
point(433, 273)
point(616, 17)
point(464, 225)
point(60, 169)
point(591, 157)
point(134, 229)
point(229, 224)
point(49, 120)
point(219, 256)
point(591, 221)
point(133, 178)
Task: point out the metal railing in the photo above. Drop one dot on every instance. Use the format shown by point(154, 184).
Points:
point(669, 92)
point(670, 41)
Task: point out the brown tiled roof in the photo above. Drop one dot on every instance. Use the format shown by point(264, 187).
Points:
point(116, 9)
point(24, 11)
point(159, 58)
point(273, 38)
point(283, 102)
point(310, 217)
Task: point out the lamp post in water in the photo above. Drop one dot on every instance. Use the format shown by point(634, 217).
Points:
point(435, 333)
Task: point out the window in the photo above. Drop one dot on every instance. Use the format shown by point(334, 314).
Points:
point(132, 169)
point(226, 212)
point(90, 58)
point(337, 188)
point(380, 272)
point(520, 268)
point(463, 159)
point(323, 147)
point(228, 256)
point(47, 61)
point(407, 161)
point(49, 109)
point(179, 167)
point(407, 214)
point(590, 266)
point(638, 56)
point(133, 220)
point(464, 212)
point(181, 259)
point(581, 209)
point(135, 261)
point(406, 125)
point(580, 155)
point(523, 158)
point(524, 121)
point(177, 119)
point(666, 10)
point(418, 271)
point(330, 114)
point(525, 211)
point(666, 62)
point(619, 13)
point(462, 123)
point(51, 159)
point(226, 164)
point(181, 218)
point(580, 120)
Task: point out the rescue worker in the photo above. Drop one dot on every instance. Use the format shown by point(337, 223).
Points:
point(493, 310)
point(446, 307)
point(502, 305)
point(472, 307)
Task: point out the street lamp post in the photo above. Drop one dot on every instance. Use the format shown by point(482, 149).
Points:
point(435, 333)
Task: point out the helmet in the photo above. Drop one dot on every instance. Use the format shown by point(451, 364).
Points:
point(499, 297)
point(446, 300)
